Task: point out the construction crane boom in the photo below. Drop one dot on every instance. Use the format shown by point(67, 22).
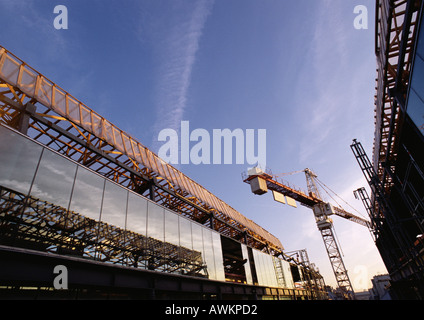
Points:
point(260, 182)
point(306, 200)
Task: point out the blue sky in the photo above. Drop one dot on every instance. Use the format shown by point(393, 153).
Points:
point(298, 69)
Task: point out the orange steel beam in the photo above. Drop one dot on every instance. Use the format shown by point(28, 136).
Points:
point(70, 127)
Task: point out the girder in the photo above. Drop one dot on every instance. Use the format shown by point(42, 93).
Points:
point(63, 123)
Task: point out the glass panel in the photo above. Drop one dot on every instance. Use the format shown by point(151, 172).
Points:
point(155, 234)
point(155, 221)
point(196, 231)
point(266, 271)
point(219, 259)
point(269, 270)
point(263, 278)
point(172, 234)
point(87, 195)
point(18, 160)
point(417, 81)
point(185, 233)
point(54, 179)
point(247, 264)
point(416, 110)
point(258, 266)
point(261, 267)
point(114, 205)
point(208, 252)
point(420, 46)
point(136, 214)
point(287, 274)
point(172, 242)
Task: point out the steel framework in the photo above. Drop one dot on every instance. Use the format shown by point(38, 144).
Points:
point(396, 29)
point(46, 113)
point(33, 223)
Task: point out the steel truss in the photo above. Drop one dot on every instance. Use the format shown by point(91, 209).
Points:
point(46, 113)
point(396, 30)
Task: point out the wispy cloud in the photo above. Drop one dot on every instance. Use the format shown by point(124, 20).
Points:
point(328, 59)
point(177, 44)
point(29, 16)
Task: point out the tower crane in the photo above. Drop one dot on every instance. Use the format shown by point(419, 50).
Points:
point(260, 182)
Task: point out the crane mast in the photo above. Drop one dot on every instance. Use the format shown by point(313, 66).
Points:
point(325, 226)
point(260, 182)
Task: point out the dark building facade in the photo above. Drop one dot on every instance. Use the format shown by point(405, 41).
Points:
point(396, 178)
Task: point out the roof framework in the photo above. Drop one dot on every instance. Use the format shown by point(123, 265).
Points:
point(48, 114)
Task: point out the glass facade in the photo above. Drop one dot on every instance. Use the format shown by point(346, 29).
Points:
point(265, 269)
point(100, 219)
point(415, 105)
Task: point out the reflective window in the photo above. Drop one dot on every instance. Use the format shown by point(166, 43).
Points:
point(415, 105)
point(196, 232)
point(420, 46)
point(172, 242)
point(258, 266)
point(185, 233)
point(287, 274)
point(54, 179)
point(247, 265)
point(219, 260)
point(87, 194)
point(136, 214)
point(155, 221)
point(172, 234)
point(417, 81)
point(18, 160)
point(155, 236)
point(264, 271)
point(264, 268)
point(416, 110)
point(114, 205)
point(208, 252)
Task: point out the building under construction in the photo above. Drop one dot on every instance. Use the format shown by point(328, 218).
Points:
point(395, 174)
point(76, 191)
